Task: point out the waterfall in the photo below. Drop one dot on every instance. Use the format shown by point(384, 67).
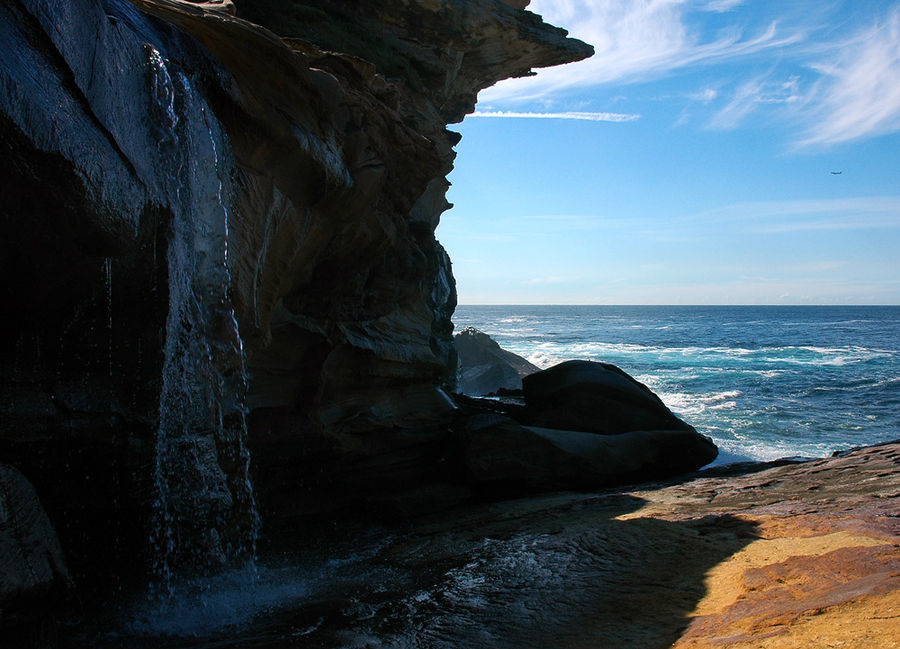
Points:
point(205, 511)
point(107, 271)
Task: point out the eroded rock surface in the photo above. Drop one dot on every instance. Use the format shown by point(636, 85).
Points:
point(762, 557)
point(485, 367)
point(801, 555)
point(34, 578)
point(219, 238)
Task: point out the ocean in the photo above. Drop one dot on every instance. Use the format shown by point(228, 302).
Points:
point(764, 382)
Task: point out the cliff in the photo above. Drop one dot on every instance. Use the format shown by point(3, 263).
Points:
point(227, 316)
point(218, 240)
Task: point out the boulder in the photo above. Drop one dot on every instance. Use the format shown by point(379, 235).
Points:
point(501, 453)
point(594, 397)
point(33, 573)
point(485, 367)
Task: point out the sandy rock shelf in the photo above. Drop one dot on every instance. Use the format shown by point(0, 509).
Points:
point(824, 570)
point(799, 555)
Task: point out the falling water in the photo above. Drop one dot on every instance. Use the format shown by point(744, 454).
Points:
point(241, 486)
point(205, 511)
point(107, 270)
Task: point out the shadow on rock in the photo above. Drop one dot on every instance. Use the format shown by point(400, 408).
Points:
point(562, 571)
point(574, 572)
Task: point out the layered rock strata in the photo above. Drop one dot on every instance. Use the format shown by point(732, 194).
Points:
point(485, 367)
point(218, 238)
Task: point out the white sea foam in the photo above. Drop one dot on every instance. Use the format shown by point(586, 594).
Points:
point(543, 359)
point(774, 449)
point(721, 396)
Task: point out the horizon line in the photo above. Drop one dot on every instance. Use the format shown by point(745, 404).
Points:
point(883, 304)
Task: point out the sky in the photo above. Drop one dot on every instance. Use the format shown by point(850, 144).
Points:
point(710, 152)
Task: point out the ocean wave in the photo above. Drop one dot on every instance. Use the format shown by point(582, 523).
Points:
point(721, 396)
point(775, 449)
point(543, 359)
point(762, 358)
point(764, 384)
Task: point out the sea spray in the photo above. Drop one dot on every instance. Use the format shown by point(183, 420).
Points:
point(205, 515)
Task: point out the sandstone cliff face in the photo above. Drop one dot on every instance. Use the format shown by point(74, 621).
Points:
point(215, 237)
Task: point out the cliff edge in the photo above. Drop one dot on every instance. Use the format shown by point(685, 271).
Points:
point(218, 241)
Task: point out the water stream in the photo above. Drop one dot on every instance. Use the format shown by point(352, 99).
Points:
point(205, 511)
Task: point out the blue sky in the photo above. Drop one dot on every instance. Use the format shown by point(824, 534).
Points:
point(689, 161)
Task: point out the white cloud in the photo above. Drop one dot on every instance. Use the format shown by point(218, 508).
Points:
point(859, 93)
point(817, 267)
point(749, 96)
point(633, 40)
point(704, 96)
point(722, 6)
point(591, 117)
point(544, 280)
point(774, 217)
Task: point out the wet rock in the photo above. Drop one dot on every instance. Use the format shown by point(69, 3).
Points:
point(33, 576)
point(767, 557)
point(485, 367)
point(220, 233)
point(595, 397)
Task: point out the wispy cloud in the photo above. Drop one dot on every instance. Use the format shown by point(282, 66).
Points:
point(774, 217)
point(751, 95)
point(723, 5)
point(817, 267)
point(704, 96)
point(590, 117)
point(859, 93)
point(536, 281)
point(634, 40)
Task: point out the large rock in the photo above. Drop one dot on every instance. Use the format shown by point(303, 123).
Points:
point(595, 397)
point(222, 238)
point(33, 574)
point(502, 454)
point(485, 367)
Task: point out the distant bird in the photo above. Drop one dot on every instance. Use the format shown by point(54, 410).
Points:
point(836, 173)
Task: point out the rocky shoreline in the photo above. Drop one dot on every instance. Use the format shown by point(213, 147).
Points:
point(230, 328)
point(800, 555)
point(768, 556)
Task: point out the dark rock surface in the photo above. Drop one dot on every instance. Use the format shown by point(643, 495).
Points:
point(583, 425)
point(597, 398)
point(219, 241)
point(34, 579)
point(504, 456)
point(485, 367)
point(763, 557)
